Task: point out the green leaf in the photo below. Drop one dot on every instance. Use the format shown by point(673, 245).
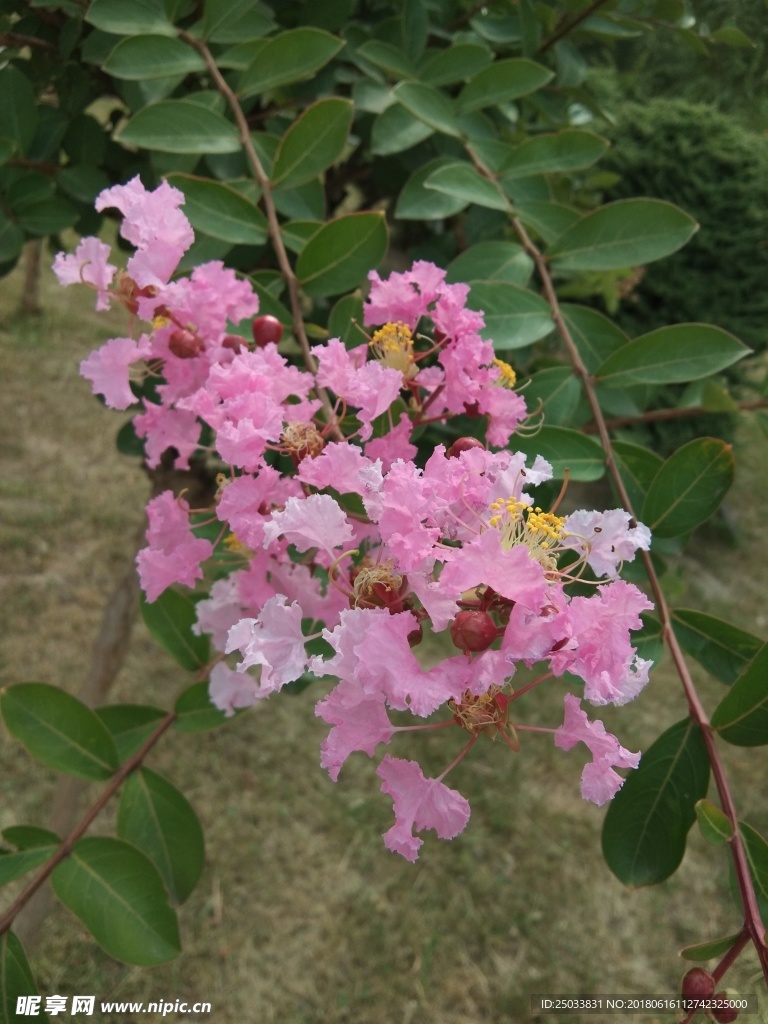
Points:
point(456, 64)
point(623, 234)
point(731, 35)
point(722, 648)
point(671, 355)
point(155, 817)
point(397, 129)
point(637, 467)
point(503, 81)
point(180, 126)
point(129, 17)
point(342, 252)
point(313, 142)
point(416, 202)
point(570, 150)
point(550, 220)
point(195, 711)
point(170, 620)
point(388, 58)
point(344, 318)
point(82, 183)
point(594, 335)
point(11, 238)
point(414, 28)
point(428, 104)
point(118, 895)
point(709, 950)
point(689, 487)
point(18, 112)
point(59, 730)
point(716, 827)
point(234, 21)
point(566, 450)
point(645, 829)
point(288, 57)
point(558, 391)
point(29, 837)
point(491, 261)
point(142, 57)
point(296, 233)
point(514, 316)
point(460, 179)
point(220, 211)
point(47, 217)
point(16, 865)
point(741, 717)
point(756, 849)
point(130, 725)
point(16, 979)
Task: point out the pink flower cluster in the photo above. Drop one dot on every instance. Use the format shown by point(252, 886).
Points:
point(358, 544)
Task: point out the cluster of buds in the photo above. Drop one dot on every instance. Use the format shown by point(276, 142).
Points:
point(359, 541)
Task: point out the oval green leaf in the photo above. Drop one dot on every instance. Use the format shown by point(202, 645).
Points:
point(339, 256)
point(129, 17)
point(594, 335)
point(220, 211)
point(118, 895)
point(741, 717)
point(28, 837)
point(16, 978)
point(397, 129)
point(514, 316)
point(637, 467)
point(430, 106)
point(416, 202)
point(180, 126)
point(234, 21)
point(170, 620)
point(710, 949)
point(138, 58)
point(626, 233)
point(756, 849)
point(194, 711)
point(15, 865)
point(671, 355)
point(11, 239)
point(288, 57)
point(722, 648)
point(59, 730)
point(155, 817)
point(565, 450)
point(647, 823)
point(18, 111)
point(460, 179)
point(388, 58)
point(689, 487)
point(456, 64)
point(130, 725)
point(715, 826)
point(547, 219)
point(344, 319)
point(313, 142)
point(503, 81)
point(569, 150)
point(491, 261)
point(557, 391)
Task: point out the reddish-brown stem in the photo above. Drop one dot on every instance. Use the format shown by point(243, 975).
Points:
point(18, 40)
point(64, 850)
point(662, 415)
point(568, 26)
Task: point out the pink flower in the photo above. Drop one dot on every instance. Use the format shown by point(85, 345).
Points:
point(174, 553)
point(88, 264)
point(368, 387)
point(273, 640)
point(599, 781)
point(419, 803)
point(609, 537)
point(313, 522)
point(340, 465)
point(107, 369)
point(394, 445)
point(359, 720)
point(512, 573)
point(230, 690)
point(165, 427)
point(246, 502)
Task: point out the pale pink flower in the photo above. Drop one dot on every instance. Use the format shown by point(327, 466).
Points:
point(393, 445)
point(368, 387)
point(340, 465)
point(512, 573)
point(419, 803)
point(246, 502)
point(273, 640)
point(359, 720)
point(599, 781)
point(607, 536)
point(230, 690)
point(313, 522)
point(165, 427)
point(87, 265)
point(107, 369)
point(174, 553)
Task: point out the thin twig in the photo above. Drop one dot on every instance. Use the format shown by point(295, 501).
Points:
point(569, 26)
point(17, 40)
point(662, 415)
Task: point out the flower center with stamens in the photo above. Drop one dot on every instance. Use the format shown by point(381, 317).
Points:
point(487, 713)
point(507, 377)
point(541, 532)
point(378, 586)
point(301, 441)
point(392, 345)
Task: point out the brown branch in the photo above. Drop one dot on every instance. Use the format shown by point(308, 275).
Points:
point(662, 415)
point(569, 26)
point(16, 40)
point(64, 850)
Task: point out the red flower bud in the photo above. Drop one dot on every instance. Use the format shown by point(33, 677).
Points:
point(233, 341)
point(463, 444)
point(473, 631)
point(415, 636)
point(724, 1014)
point(698, 984)
point(185, 344)
point(266, 329)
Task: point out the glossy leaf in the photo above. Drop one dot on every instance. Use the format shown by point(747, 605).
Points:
point(456, 64)
point(689, 487)
point(16, 865)
point(129, 17)
point(645, 829)
point(397, 129)
point(566, 450)
point(59, 730)
point(18, 111)
point(741, 717)
point(234, 21)
point(11, 239)
point(715, 826)
point(428, 104)
point(29, 837)
point(170, 620)
point(671, 355)
point(570, 150)
point(47, 217)
point(416, 202)
point(514, 316)
point(460, 179)
point(288, 57)
point(549, 220)
point(491, 261)
point(388, 58)
point(722, 648)
point(637, 467)
point(194, 711)
point(503, 81)
point(756, 849)
point(342, 252)
point(622, 234)
point(180, 126)
point(117, 893)
point(709, 950)
point(346, 320)
point(16, 978)
point(159, 820)
point(130, 725)
point(143, 57)
point(220, 211)
point(595, 336)
point(557, 390)
point(313, 142)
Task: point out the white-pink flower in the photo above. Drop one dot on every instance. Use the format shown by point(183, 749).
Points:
point(273, 640)
point(359, 720)
point(87, 264)
point(174, 553)
point(609, 538)
point(314, 522)
point(230, 690)
point(107, 369)
point(599, 781)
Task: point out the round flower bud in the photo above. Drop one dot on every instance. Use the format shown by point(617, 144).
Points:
point(463, 444)
point(724, 1014)
point(698, 984)
point(415, 636)
point(185, 344)
point(266, 329)
point(473, 631)
point(233, 341)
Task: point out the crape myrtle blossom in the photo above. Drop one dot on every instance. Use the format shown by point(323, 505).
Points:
point(344, 546)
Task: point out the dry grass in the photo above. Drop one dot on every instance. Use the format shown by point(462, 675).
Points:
point(301, 915)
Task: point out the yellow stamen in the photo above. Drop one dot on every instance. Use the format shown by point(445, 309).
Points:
point(507, 376)
point(393, 346)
